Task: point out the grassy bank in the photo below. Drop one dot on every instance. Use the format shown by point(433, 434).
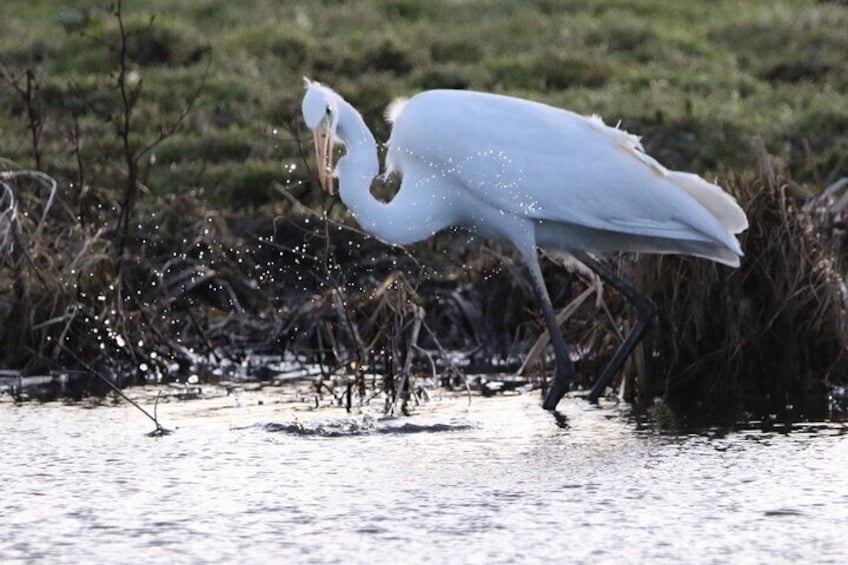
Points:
point(698, 80)
point(175, 229)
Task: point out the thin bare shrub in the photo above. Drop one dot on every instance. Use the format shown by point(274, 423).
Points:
point(39, 253)
point(359, 315)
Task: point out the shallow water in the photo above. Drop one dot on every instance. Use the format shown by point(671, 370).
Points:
point(495, 482)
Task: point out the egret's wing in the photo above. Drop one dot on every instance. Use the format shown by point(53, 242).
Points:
point(550, 164)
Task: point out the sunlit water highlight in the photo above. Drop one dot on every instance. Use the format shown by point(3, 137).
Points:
point(497, 482)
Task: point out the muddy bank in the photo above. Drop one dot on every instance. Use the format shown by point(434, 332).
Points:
point(197, 293)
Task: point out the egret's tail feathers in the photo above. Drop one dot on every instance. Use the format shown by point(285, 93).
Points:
point(730, 255)
point(724, 256)
point(722, 205)
point(394, 109)
point(712, 197)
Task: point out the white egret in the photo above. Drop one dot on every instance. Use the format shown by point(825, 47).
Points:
point(529, 174)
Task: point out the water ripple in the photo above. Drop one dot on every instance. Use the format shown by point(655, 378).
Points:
point(357, 427)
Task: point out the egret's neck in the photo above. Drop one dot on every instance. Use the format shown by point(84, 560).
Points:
point(360, 165)
point(411, 216)
point(356, 170)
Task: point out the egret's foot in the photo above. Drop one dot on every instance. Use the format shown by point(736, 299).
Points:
point(560, 419)
point(583, 394)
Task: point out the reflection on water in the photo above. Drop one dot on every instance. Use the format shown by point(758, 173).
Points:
point(497, 482)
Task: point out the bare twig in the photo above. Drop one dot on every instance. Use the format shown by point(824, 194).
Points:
point(563, 315)
point(159, 431)
point(418, 313)
point(26, 86)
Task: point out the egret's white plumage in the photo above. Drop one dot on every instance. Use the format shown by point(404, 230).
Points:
point(523, 172)
point(558, 171)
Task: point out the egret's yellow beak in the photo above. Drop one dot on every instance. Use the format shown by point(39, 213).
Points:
point(324, 156)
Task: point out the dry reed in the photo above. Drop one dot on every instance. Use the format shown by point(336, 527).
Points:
point(767, 338)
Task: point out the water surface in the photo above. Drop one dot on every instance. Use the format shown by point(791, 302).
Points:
point(495, 482)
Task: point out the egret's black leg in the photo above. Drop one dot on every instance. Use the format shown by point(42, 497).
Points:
point(645, 312)
point(564, 372)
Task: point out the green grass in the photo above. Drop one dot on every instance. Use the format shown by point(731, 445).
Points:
point(698, 80)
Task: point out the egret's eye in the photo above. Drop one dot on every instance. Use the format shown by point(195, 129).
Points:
point(327, 120)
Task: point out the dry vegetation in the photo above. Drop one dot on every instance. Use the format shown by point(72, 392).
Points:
point(771, 336)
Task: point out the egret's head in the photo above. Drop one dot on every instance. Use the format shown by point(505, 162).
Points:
point(320, 109)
